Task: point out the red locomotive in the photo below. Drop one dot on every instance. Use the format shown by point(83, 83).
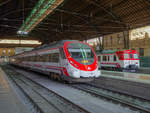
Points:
point(122, 60)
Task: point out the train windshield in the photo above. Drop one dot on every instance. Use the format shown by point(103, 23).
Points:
point(126, 56)
point(82, 53)
point(135, 56)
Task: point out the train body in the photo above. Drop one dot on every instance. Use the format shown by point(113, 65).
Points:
point(72, 61)
point(122, 60)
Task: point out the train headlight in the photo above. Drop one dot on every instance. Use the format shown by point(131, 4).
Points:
point(98, 74)
point(76, 74)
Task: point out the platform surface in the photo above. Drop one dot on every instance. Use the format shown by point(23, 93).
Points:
point(10, 102)
point(138, 77)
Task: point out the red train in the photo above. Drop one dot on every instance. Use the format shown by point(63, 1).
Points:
point(122, 60)
point(72, 61)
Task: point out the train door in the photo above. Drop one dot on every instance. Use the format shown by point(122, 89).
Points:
point(131, 59)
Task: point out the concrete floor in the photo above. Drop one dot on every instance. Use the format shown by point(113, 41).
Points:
point(138, 77)
point(9, 100)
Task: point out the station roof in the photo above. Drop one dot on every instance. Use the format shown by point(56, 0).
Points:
point(75, 19)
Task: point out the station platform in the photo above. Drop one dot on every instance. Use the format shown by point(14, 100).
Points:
point(136, 77)
point(10, 102)
point(145, 70)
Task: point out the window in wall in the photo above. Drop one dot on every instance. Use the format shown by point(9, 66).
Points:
point(111, 41)
point(118, 39)
point(9, 51)
point(105, 40)
point(4, 51)
point(141, 51)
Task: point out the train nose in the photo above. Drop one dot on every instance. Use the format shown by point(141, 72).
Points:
point(76, 74)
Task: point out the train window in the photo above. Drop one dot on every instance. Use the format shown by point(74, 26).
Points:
point(37, 58)
point(33, 58)
point(126, 56)
point(115, 58)
point(25, 59)
point(104, 58)
point(135, 56)
point(55, 57)
point(28, 58)
point(41, 59)
point(107, 58)
point(50, 57)
point(99, 58)
point(46, 58)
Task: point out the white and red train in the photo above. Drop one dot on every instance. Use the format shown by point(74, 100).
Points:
point(72, 61)
point(122, 60)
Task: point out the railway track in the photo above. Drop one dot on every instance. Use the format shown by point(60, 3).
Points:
point(137, 103)
point(43, 99)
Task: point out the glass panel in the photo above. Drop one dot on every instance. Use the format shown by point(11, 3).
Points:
point(131, 56)
point(82, 53)
point(135, 56)
point(126, 56)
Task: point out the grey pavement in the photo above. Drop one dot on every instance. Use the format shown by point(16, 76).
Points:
point(9, 100)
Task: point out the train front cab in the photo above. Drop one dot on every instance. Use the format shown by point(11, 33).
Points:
point(81, 62)
point(129, 59)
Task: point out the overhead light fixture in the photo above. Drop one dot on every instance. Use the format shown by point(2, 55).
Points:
point(39, 12)
point(32, 42)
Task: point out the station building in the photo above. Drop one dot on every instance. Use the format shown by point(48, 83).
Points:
point(136, 39)
point(139, 39)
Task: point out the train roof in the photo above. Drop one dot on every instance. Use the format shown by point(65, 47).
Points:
point(106, 52)
point(53, 45)
point(114, 51)
point(46, 46)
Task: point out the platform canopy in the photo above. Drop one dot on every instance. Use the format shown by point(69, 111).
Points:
point(52, 20)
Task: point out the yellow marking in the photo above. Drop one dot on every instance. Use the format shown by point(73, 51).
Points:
point(145, 77)
point(84, 61)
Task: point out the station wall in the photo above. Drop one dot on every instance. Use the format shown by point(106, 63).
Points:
point(116, 42)
point(139, 40)
point(5, 53)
